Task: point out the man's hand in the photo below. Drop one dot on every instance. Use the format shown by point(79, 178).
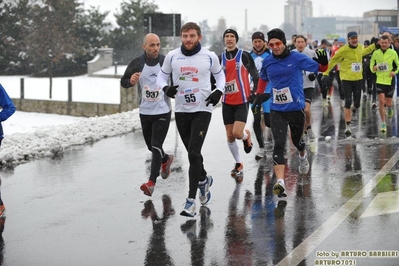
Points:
point(375, 41)
point(260, 98)
point(312, 76)
point(214, 97)
point(321, 57)
point(135, 78)
point(170, 91)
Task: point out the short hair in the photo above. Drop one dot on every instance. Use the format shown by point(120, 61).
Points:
point(385, 37)
point(190, 26)
point(396, 39)
point(302, 37)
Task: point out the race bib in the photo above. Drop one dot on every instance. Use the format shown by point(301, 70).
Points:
point(151, 95)
point(282, 96)
point(356, 67)
point(383, 67)
point(230, 87)
point(190, 97)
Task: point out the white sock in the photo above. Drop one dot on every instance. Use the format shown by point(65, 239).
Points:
point(281, 181)
point(233, 147)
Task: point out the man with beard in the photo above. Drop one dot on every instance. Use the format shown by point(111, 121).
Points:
point(190, 67)
point(154, 107)
point(308, 84)
point(259, 53)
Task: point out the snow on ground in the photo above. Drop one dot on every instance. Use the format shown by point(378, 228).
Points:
point(33, 135)
point(84, 88)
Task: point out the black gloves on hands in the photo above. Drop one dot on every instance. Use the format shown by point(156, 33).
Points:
point(375, 41)
point(322, 58)
point(214, 97)
point(312, 76)
point(170, 91)
point(260, 98)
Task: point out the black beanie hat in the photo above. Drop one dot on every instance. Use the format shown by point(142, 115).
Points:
point(231, 31)
point(258, 35)
point(278, 34)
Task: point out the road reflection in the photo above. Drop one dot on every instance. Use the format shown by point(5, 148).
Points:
point(198, 241)
point(157, 254)
point(238, 247)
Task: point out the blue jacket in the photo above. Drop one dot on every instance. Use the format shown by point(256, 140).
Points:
point(8, 108)
point(287, 81)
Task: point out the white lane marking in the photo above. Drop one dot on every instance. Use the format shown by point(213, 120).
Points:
point(304, 249)
point(383, 203)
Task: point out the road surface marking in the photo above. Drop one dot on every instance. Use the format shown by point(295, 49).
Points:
point(383, 203)
point(304, 249)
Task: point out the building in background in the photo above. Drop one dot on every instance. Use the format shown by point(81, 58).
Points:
point(329, 28)
point(295, 12)
point(298, 19)
point(372, 24)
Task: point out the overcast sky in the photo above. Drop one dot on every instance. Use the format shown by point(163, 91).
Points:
point(270, 13)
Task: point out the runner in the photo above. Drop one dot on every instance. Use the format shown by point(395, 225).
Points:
point(238, 65)
point(154, 107)
point(308, 85)
point(191, 67)
point(284, 70)
point(382, 63)
point(259, 53)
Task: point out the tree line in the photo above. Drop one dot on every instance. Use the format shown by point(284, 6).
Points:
point(56, 38)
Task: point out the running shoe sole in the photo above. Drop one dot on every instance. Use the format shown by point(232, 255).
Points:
point(146, 189)
point(279, 190)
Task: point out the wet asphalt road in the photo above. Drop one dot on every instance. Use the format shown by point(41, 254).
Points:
point(87, 209)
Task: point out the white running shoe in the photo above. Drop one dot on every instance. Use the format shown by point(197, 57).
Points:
point(261, 154)
point(205, 194)
point(310, 134)
point(189, 208)
point(303, 164)
point(348, 130)
point(279, 190)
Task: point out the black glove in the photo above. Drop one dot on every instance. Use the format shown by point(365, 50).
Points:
point(260, 98)
point(375, 41)
point(312, 76)
point(170, 91)
point(251, 97)
point(321, 57)
point(214, 97)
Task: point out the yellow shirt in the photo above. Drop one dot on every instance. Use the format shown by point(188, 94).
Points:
point(350, 61)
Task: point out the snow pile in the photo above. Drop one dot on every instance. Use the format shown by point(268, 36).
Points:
point(51, 141)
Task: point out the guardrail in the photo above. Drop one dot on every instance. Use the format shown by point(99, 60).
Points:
point(128, 102)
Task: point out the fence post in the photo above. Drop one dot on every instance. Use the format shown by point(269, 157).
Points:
point(22, 89)
point(69, 90)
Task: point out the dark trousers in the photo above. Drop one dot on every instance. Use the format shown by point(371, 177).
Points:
point(192, 129)
point(155, 128)
point(279, 124)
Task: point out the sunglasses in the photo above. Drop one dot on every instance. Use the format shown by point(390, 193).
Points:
point(276, 44)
